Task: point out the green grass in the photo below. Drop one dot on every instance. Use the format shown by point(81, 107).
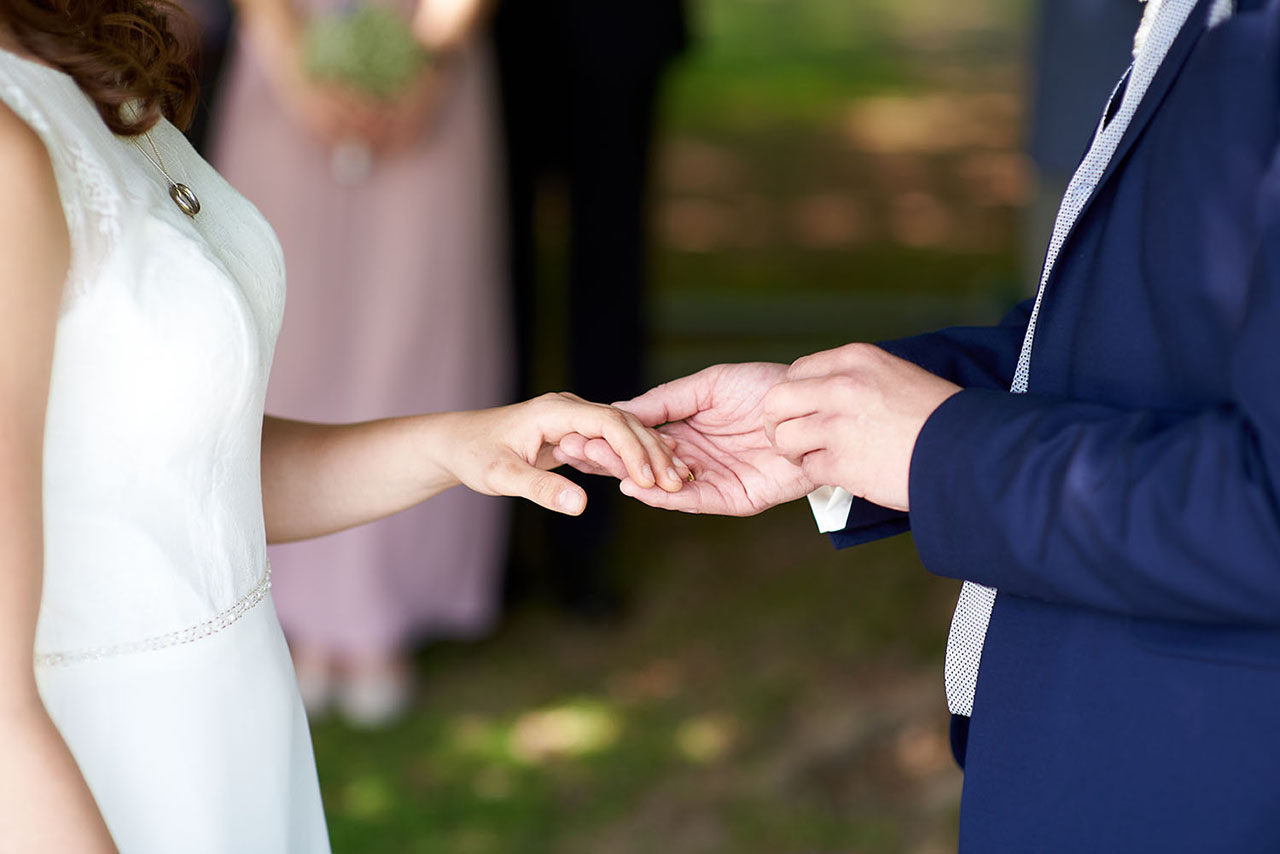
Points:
point(757, 697)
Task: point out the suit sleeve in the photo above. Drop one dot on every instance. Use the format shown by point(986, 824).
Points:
point(1171, 515)
point(971, 356)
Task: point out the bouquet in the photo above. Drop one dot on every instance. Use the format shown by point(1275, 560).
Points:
point(366, 46)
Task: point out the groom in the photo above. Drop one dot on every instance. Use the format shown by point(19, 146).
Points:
point(1102, 469)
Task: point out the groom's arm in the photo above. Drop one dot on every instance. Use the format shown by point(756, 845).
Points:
point(969, 356)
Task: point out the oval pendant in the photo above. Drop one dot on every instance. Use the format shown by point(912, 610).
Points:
point(185, 199)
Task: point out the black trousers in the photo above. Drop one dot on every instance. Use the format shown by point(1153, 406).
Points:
point(571, 116)
point(214, 45)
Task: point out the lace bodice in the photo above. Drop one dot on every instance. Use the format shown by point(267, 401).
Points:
point(152, 492)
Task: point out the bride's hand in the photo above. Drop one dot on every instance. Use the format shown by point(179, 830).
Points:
point(409, 119)
point(334, 114)
point(509, 450)
point(330, 112)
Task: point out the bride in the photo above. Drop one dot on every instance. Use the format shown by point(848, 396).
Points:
point(140, 299)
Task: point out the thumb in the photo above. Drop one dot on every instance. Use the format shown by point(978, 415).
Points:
point(544, 488)
point(672, 401)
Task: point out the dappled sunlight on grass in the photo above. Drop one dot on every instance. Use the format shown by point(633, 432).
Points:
point(369, 797)
point(567, 730)
point(699, 225)
point(934, 123)
point(756, 701)
point(476, 737)
point(581, 728)
point(923, 751)
point(696, 166)
point(827, 220)
point(705, 738)
point(920, 219)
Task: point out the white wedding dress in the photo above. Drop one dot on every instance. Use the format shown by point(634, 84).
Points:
point(159, 656)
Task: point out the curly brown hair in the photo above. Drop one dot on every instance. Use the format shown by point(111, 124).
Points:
point(120, 52)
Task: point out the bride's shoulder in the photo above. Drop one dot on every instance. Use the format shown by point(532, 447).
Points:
point(19, 142)
point(23, 128)
point(31, 216)
point(24, 161)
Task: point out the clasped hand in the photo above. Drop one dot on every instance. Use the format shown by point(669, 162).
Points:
point(510, 450)
point(760, 434)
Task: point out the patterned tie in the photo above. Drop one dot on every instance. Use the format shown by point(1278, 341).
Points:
point(1160, 25)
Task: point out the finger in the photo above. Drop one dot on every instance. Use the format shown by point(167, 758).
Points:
point(599, 452)
point(661, 460)
point(685, 501)
point(820, 467)
point(798, 437)
point(593, 457)
point(561, 414)
point(581, 464)
point(613, 426)
point(628, 445)
point(546, 489)
point(682, 468)
point(792, 399)
point(673, 401)
point(846, 358)
point(646, 457)
point(574, 445)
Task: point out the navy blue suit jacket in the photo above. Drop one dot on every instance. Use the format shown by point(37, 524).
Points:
point(1128, 507)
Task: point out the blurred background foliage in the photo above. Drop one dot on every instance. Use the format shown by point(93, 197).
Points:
point(832, 170)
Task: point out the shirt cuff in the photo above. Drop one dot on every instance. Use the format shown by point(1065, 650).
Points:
point(831, 506)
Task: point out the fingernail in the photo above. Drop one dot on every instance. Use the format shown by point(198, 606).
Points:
point(570, 501)
point(648, 473)
point(679, 463)
point(676, 478)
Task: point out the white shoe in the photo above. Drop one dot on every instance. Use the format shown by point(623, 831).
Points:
point(370, 698)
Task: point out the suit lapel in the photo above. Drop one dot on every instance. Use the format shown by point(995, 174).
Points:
point(1169, 70)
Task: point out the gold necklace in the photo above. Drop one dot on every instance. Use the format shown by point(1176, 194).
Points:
point(182, 195)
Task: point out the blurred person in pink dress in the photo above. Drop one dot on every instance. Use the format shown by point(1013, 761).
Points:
point(389, 215)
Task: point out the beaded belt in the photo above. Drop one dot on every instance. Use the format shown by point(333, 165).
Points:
point(209, 627)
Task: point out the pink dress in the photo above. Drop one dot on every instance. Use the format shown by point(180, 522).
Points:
point(396, 305)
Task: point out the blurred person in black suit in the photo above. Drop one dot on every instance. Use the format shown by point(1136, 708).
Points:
point(580, 82)
point(213, 17)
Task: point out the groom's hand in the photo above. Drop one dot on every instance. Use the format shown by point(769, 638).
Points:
point(850, 417)
point(714, 422)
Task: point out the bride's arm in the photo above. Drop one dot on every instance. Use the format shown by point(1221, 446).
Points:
point(45, 805)
point(275, 28)
point(317, 479)
point(445, 25)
